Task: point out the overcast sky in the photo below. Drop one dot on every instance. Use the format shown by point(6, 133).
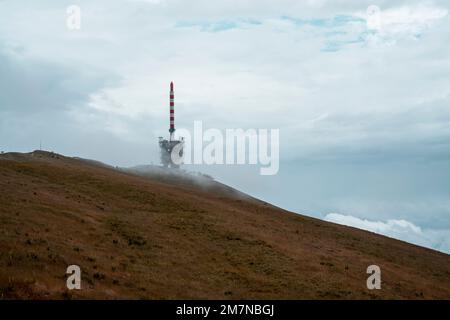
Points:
point(363, 109)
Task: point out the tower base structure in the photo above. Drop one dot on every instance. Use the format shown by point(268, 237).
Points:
point(167, 147)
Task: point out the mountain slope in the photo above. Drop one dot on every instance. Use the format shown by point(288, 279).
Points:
point(156, 236)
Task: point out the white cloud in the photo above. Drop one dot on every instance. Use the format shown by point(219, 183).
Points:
point(411, 19)
point(398, 229)
point(406, 22)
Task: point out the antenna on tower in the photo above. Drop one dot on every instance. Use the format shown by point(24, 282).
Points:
point(172, 112)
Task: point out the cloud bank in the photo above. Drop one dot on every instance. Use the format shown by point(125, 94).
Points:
point(398, 229)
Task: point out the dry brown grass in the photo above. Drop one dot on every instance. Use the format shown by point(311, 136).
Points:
point(145, 238)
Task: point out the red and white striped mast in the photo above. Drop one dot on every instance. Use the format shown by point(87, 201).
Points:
point(172, 112)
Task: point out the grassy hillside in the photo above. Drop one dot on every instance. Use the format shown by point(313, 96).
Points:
point(158, 236)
